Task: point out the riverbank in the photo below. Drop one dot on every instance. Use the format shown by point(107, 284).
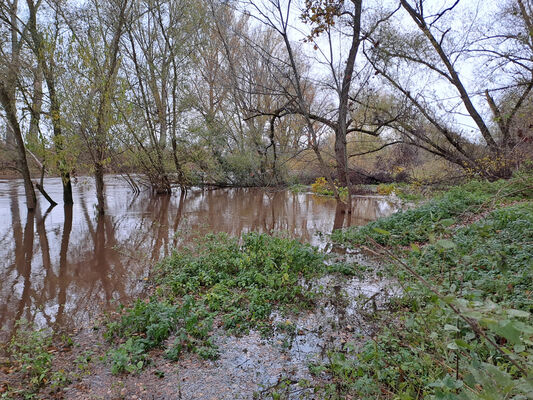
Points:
point(268, 317)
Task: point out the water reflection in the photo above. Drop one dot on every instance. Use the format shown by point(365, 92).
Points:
point(62, 266)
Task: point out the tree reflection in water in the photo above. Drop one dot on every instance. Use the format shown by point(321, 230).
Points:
point(62, 267)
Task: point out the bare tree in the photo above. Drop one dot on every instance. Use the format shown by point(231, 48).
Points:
point(427, 67)
point(158, 49)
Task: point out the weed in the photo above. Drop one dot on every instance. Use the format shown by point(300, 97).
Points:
point(239, 282)
point(298, 188)
point(322, 187)
point(484, 269)
point(30, 351)
point(385, 189)
point(431, 219)
point(149, 323)
point(29, 348)
point(242, 283)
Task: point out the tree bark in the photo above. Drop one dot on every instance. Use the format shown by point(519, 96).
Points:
point(55, 104)
point(99, 182)
point(8, 103)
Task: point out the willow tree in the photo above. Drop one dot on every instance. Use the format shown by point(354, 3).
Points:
point(96, 31)
point(10, 70)
point(45, 49)
point(158, 46)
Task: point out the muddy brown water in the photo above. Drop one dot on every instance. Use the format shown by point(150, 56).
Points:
point(63, 266)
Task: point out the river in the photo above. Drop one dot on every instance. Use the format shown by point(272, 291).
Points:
point(61, 267)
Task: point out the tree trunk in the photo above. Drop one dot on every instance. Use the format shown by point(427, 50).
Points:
point(36, 108)
point(99, 181)
point(67, 188)
point(341, 153)
point(8, 103)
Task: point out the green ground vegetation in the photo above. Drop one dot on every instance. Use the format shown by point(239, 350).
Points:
point(464, 327)
point(31, 354)
point(234, 282)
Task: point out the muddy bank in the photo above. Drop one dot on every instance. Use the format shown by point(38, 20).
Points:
point(249, 366)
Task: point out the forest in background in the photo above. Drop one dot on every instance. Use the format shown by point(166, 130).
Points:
point(263, 92)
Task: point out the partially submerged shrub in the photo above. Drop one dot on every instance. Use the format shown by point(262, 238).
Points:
point(237, 282)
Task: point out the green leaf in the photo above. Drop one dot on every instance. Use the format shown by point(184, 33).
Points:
point(445, 244)
point(509, 332)
point(452, 328)
point(382, 231)
point(518, 313)
point(447, 222)
point(519, 348)
point(452, 346)
point(415, 248)
point(462, 343)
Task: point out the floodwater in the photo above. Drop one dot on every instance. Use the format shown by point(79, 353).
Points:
point(61, 267)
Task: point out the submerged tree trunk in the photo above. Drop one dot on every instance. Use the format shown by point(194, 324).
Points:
point(8, 103)
point(99, 181)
